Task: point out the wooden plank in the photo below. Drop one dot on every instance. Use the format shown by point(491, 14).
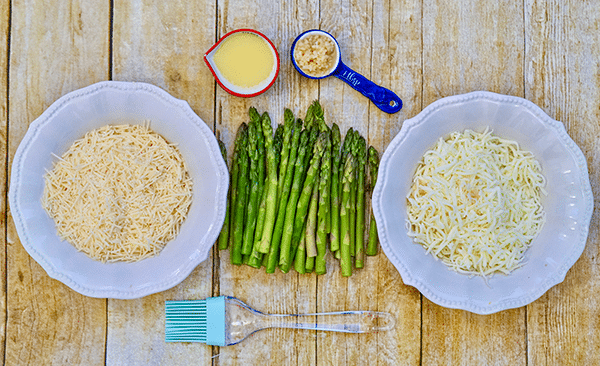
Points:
point(279, 292)
point(54, 50)
point(395, 64)
point(470, 46)
point(350, 23)
point(562, 78)
point(4, 36)
point(162, 44)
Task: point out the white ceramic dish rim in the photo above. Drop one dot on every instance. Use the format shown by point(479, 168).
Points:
point(444, 298)
point(202, 242)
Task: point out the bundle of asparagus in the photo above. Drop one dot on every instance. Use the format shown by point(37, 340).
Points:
point(299, 193)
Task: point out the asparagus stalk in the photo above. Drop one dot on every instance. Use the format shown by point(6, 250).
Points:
point(360, 203)
point(352, 136)
point(234, 178)
point(261, 166)
point(311, 220)
point(255, 185)
point(347, 179)
point(285, 254)
point(373, 168)
point(305, 196)
point(224, 235)
point(255, 256)
point(284, 196)
point(278, 147)
point(346, 149)
point(271, 186)
point(319, 120)
point(241, 199)
point(260, 223)
point(311, 223)
point(335, 188)
point(309, 118)
point(324, 209)
point(288, 130)
point(300, 257)
point(309, 266)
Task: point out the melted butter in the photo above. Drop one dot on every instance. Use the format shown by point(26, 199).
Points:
point(244, 59)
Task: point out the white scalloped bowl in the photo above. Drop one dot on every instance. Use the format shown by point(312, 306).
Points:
point(68, 119)
point(568, 205)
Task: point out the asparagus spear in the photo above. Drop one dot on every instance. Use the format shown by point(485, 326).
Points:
point(271, 186)
point(335, 190)
point(241, 199)
point(311, 224)
point(309, 266)
point(305, 196)
point(346, 148)
point(288, 130)
point(311, 219)
point(300, 257)
point(373, 168)
point(324, 209)
point(319, 120)
point(224, 235)
point(255, 256)
point(255, 181)
point(309, 118)
point(360, 203)
point(312, 127)
point(234, 179)
point(286, 184)
point(351, 150)
point(347, 179)
point(278, 147)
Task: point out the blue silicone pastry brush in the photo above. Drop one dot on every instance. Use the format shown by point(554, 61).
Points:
point(225, 321)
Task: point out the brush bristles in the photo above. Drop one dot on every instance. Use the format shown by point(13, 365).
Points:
point(186, 321)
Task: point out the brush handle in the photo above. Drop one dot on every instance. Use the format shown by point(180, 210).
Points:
point(342, 321)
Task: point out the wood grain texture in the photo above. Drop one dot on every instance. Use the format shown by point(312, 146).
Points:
point(4, 42)
point(162, 43)
point(395, 64)
point(563, 71)
point(547, 51)
point(54, 50)
point(469, 46)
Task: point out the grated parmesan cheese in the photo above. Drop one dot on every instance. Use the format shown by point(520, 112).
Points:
point(475, 203)
point(118, 194)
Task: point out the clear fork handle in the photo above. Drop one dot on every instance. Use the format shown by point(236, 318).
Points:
point(342, 321)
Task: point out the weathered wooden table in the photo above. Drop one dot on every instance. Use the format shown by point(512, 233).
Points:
point(545, 51)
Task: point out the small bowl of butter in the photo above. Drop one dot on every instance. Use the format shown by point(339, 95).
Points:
point(244, 62)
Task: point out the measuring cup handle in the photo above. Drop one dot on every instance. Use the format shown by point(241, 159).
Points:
point(383, 98)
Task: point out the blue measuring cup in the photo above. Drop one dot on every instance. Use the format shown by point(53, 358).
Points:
point(383, 98)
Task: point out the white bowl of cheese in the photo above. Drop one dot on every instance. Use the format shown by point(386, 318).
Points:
point(90, 108)
point(567, 205)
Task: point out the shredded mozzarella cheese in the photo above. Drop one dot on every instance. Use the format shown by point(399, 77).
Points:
point(118, 194)
point(475, 203)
